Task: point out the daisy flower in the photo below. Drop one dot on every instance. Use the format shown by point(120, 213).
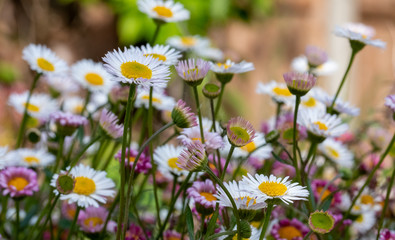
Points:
point(212, 140)
point(301, 64)
point(109, 124)
point(360, 33)
point(240, 132)
point(193, 71)
point(166, 157)
point(193, 158)
point(364, 222)
point(370, 200)
point(67, 123)
point(186, 43)
point(40, 106)
point(92, 76)
point(69, 210)
point(310, 101)
point(135, 232)
point(172, 235)
point(203, 194)
point(299, 83)
point(255, 234)
point(160, 100)
point(272, 187)
point(18, 182)
point(315, 56)
point(73, 104)
point(231, 67)
point(182, 115)
point(143, 163)
point(321, 192)
point(337, 152)
point(390, 102)
point(30, 158)
point(91, 186)
point(62, 84)
point(92, 219)
point(387, 234)
point(166, 11)
point(320, 124)
point(42, 60)
point(131, 66)
point(278, 91)
point(164, 53)
point(339, 107)
point(289, 229)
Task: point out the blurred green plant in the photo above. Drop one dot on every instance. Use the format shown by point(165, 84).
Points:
point(8, 73)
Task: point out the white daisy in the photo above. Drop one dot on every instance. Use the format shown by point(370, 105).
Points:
point(301, 64)
point(167, 11)
point(242, 199)
point(3, 156)
point(370, 200)
point(207, 124)
point(212, 140)
point(40, 105)
point(91, 75)
point(30, 158)
point(160, 101)
point(97, 100)
point(62, 84)
point(309, 101)
point(186, 43)
point(337, 152)
point(359, 32)
point(232, 67)
point(321, 124)
point(91, 187)
point(257, 148)
point(42, 60)
point(255, 234)
point(278, 91)
point(166, 157)
point(364, 222)
point(272, 187)
point(131, 66)
point(73, 104)
point(164, 53)
point(340, 106)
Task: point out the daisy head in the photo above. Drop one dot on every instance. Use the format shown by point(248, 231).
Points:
point(301, 64)
point(164, 11)
point(337, 152)
point(91, 187)
point(299, 83)
point(321, 125)
point(315, 56)
point(240, 132)
point(67, 123)
point(166, 54)
point(323, 190)
point(131, 66)
point(92, 76)
point(278, 91)
point(289, 229)
point(212, 141)
point(203, 194)
point(43, 60)
point(339, 106)
point(30, 158)
point(182, 115)
point(224, 71)
point(193, 157)
point(193, 71)
point(359, 35)
point(18, 182)
point(166, 157)
point(109, 124)
point(186, 43)
point(143, 164)
point(92, 219)
point(160, 100)
point(321, 222)
point(271, 187)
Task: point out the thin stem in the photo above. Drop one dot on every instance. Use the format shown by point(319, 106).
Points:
point(195, 91)
point(266, 221)
point(330, 109)
point(387, 197)
point(226, 233)
point(47, 218)
point(3, 212)
point(232, 148)
point(113, 205)
point(25, 115)
point(278, 112)
point(110, 156)
point(295, 158)
point(17, 219)
point(77, 212)
point(212, 114)
point(219, 101)
point(156, 33)
point(122, 165)
point(59, 154)
point(308, 235)
point(87, 97)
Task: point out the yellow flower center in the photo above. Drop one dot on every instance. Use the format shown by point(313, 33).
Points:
point(135, 70)
point(196, 139)
point(248, 200)
point(325, 194)
point(289, 232)
point(18, 182)
point(45, 65)
point(360, 218)
point(157, 56)
point(163, 11)
point(333, 152)
point(154, 99)
point(209, 196)
point(282, 91)
point(321, 125)
point(272, 189)
point(249, 147)
point(240, 133)
point(131, 159)
point(188, 41)
point(367, 199)
point(225, 66)
point(93, 221)
point(31, 159)
point(31, 107)
point(94, 79)
point(71, 212)
point(172, 162)
point(84, 186)
point(311, 102)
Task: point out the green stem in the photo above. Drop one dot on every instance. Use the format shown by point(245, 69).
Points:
point(52, 206)
point(156, 33)
point(25, 115)
point(295, 158)
point(122, 164)
point(195, 91)
point(232, 148)
point(330, 109)
point(75, 160)
point(184, 184)
point(113, 205)
point(4, 209)
point(17, 219)
point(215, 236)
point(278, 112)
point(87, 97)
point(387, 198)
point(266, 221)
point(59, 154)
point(77, 212)
point(219, 102)
point(212, 114)
point(110, 156)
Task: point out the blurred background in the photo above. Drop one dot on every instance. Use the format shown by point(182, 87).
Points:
point(269, 33)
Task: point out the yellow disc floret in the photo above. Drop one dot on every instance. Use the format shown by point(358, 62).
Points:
point(273, 189)
point(84, 186)
point(135, 70)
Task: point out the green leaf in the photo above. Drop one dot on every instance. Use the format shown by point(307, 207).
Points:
point(189, 220)
point(212, 223)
